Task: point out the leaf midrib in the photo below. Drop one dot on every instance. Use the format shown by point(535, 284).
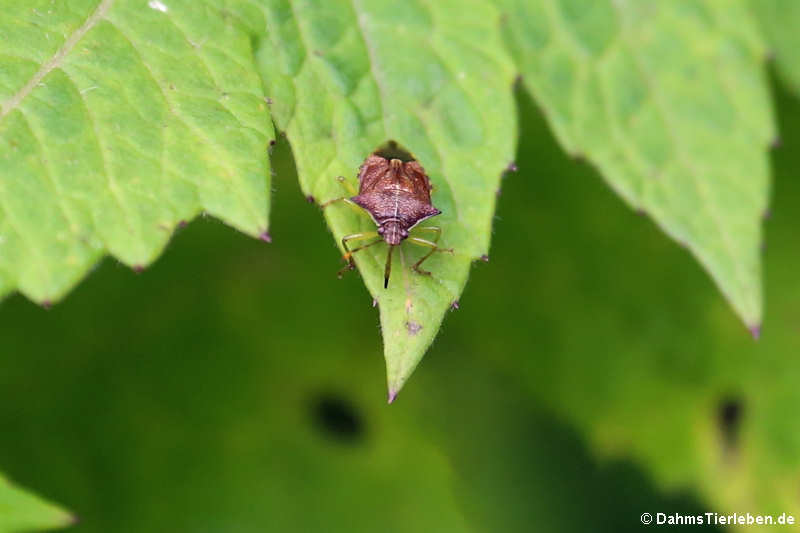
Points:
point(55, 61)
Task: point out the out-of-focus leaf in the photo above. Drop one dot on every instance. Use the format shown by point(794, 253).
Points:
point(118, 120)
point(669, 101)
point(779, 21)
point(628, 342)
point(201, 422)
point(345, 77)
point(22, 511)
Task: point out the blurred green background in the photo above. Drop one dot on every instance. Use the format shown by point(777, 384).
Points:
point(592, 373)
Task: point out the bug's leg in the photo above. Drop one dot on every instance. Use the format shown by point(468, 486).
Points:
point(350, 264)
point(329, 202)
point(433, 248)
point(348, 255)
point(347, 185)
point(350, 203)
point(356, 237)
point(436, 230)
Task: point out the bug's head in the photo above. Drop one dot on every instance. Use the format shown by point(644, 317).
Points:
point(392, 232)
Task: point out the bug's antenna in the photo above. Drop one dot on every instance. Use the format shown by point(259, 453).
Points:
point(388, 269)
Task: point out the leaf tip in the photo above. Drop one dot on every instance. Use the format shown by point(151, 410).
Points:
point(755, 331)
point(454, 305)
point(392, 395)
point(47, 304)
point(485, 258)
point(138, 268)
point(266, 237)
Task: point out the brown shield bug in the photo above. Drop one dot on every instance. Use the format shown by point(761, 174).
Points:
point(395, 191)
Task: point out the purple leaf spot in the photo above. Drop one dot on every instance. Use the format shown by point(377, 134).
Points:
point(413, 327)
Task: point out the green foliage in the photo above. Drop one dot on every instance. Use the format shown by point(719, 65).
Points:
point(779, 22)
point(640, 356)
point(669, 101)
point(120, 119)
point(118, 122)
point(23, 511)
point(161, 404)
point(347, 76)
point(202, 422)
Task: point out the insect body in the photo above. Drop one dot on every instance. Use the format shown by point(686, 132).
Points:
point(396, 192)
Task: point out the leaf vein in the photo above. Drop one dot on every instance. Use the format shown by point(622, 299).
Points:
point(197, 131)
point(57, 58)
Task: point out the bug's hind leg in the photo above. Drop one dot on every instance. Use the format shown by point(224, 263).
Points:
point(350, 203)
point(348, 255)
point(347, 185)
point(434, 247)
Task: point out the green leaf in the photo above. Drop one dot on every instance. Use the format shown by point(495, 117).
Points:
point(344, 77)
point(22, 511)
point(643, 370)
point(779, 21)
point(669, 101)
point(119, 120)
point(284, 429)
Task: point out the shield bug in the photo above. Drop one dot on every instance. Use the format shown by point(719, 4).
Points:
point(395, 191)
